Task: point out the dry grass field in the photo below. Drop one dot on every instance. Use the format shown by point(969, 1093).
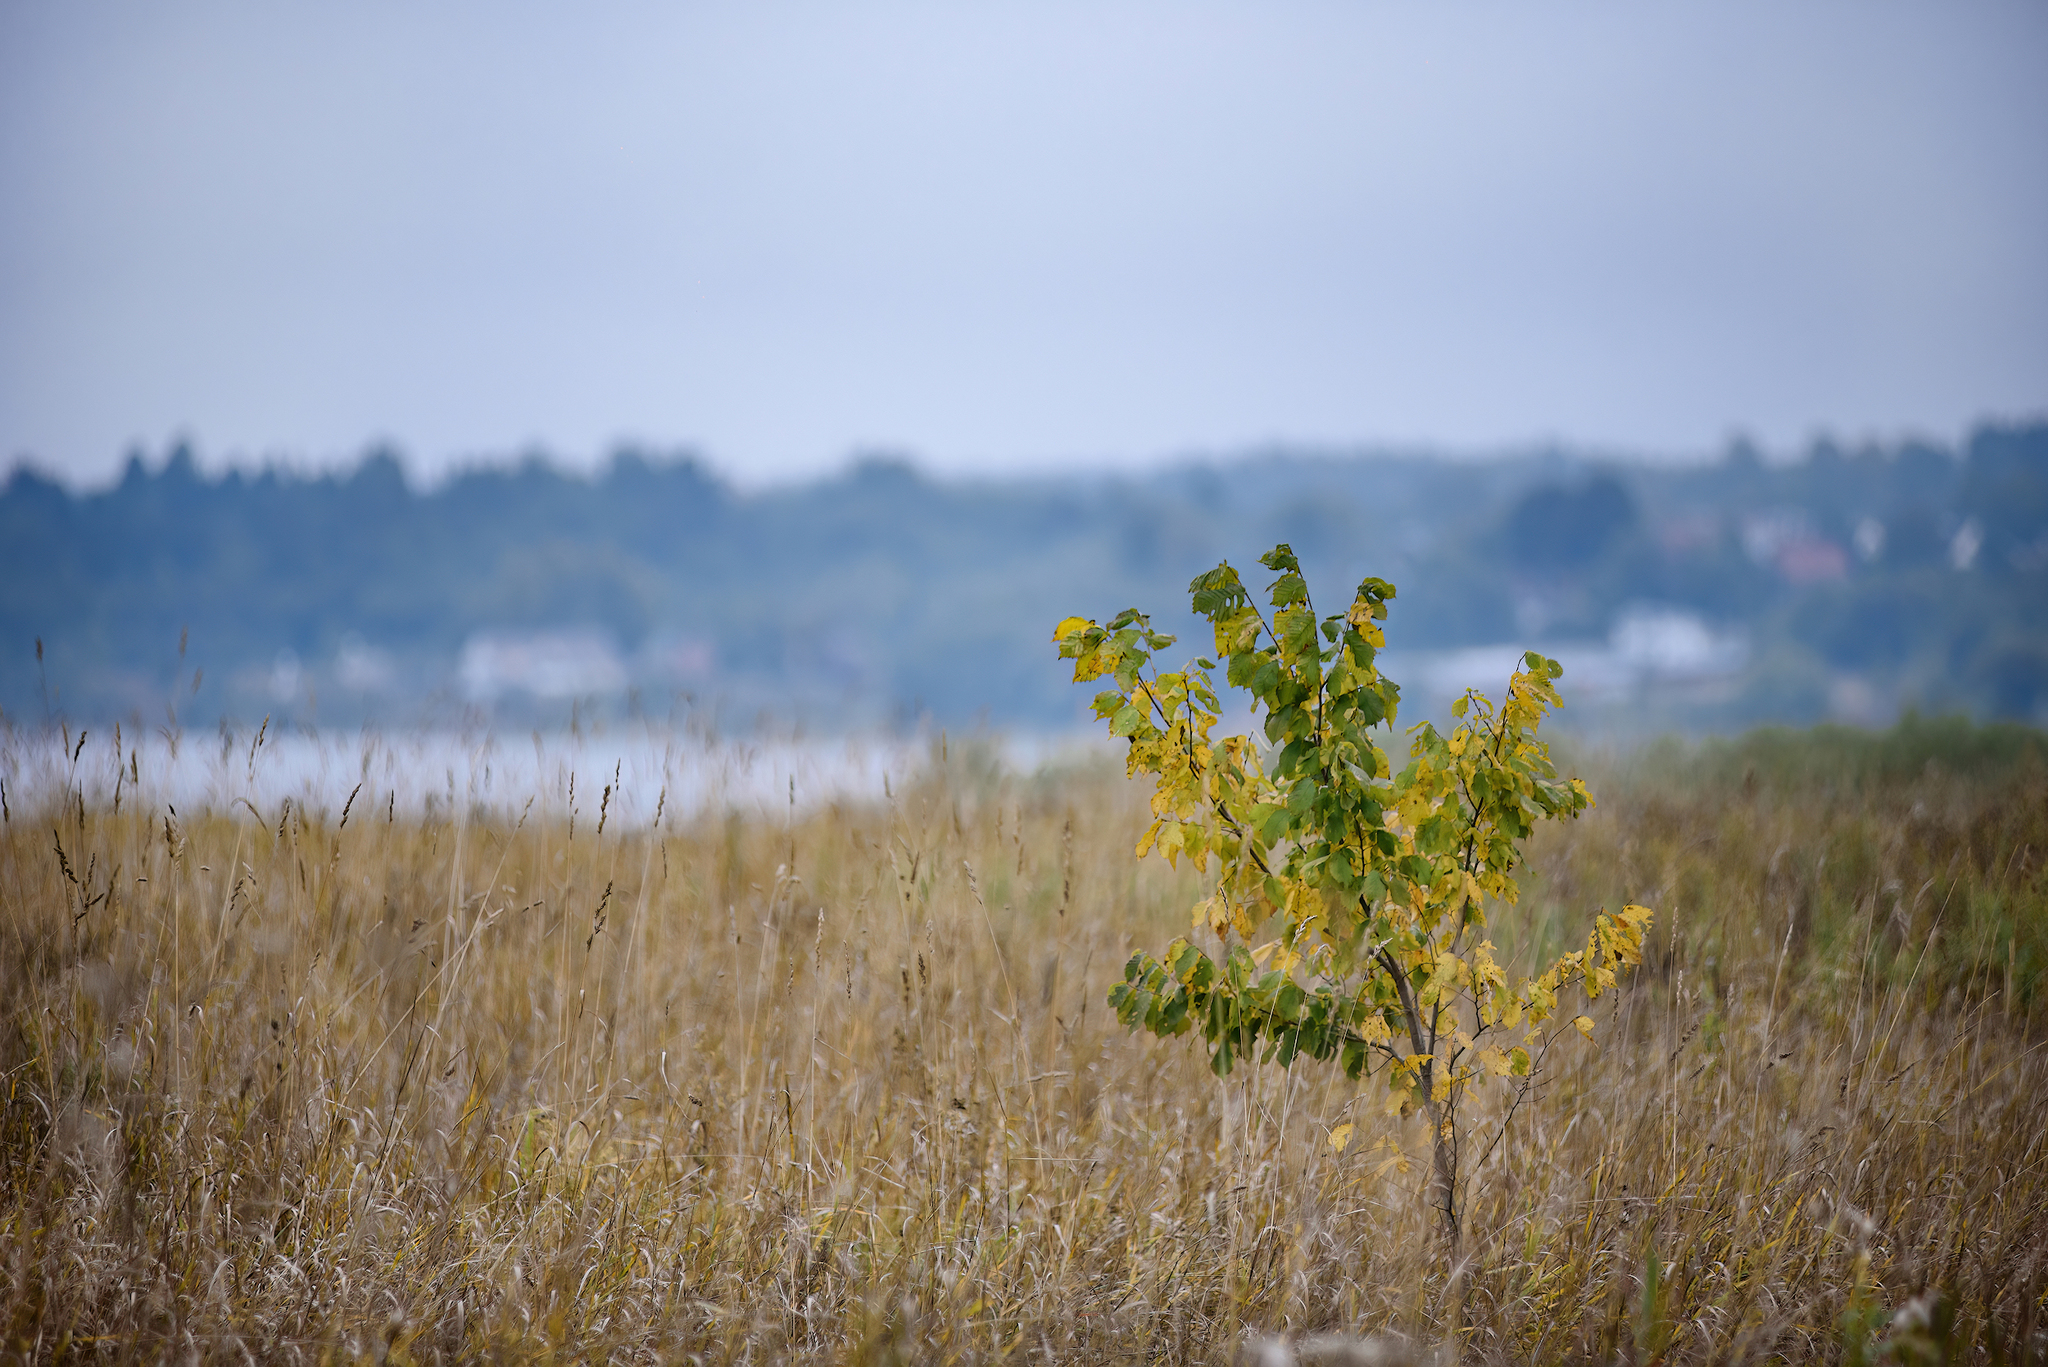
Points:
point(843, 1087)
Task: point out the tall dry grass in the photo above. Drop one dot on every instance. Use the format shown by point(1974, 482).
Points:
point(842, 1087)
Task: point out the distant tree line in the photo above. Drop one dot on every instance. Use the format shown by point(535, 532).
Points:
point(1904, 576)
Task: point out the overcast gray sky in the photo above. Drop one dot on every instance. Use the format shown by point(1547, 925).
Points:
point(1004, 236)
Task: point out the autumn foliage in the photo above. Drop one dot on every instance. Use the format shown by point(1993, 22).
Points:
point(1370, 884)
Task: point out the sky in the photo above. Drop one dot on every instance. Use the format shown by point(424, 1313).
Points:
point(1005, 237)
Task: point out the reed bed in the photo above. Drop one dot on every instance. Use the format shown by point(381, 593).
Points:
point(840, 1086)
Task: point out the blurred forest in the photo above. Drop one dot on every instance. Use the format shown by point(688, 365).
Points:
point(1848, 584)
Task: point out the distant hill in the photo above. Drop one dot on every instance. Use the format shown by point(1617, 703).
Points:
point(1847, 584)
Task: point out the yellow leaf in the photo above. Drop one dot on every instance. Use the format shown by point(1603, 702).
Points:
point(1395, 1159)
point(1585, 1024)
point(1341, 1136)
point(1245, 921)
point(1068, 627)
point(1283, 958)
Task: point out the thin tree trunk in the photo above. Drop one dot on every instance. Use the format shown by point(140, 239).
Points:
point(1443, 1196)
point(1443, 1188)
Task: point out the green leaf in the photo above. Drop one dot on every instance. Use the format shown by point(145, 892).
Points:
point(1340, 867)
point(1281, 557)
point(1437, 835)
